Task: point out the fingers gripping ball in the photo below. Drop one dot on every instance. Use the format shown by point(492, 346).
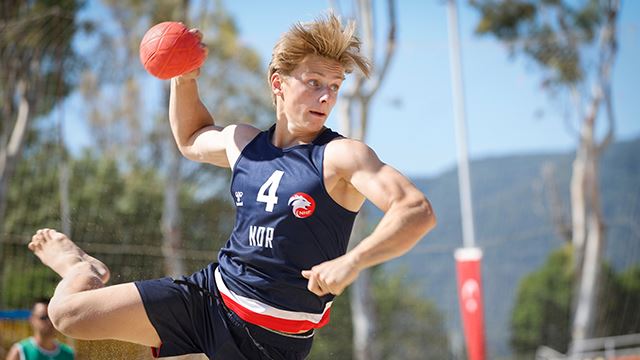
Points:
point(168, 49)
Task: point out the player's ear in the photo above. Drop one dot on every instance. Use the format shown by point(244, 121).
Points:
point(276, 83)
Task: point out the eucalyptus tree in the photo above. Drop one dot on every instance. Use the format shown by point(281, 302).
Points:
point(574, 45)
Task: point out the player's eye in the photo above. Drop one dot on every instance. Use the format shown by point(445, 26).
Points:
point(313, 83)
point(334, 87)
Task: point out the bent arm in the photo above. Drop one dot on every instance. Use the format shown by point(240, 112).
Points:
point(408, 216)
point(193, 127)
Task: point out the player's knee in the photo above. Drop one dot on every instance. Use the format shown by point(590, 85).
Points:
point(66, 316)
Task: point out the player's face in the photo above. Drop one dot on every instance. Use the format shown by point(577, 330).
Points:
point(310, 92)
point(40, 319)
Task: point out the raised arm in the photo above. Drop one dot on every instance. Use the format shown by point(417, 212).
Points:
point(193, 128)
point(197, 136)
point(408, 216)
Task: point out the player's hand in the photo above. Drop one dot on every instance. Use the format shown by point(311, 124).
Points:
point(195, 73)
point(331, 277)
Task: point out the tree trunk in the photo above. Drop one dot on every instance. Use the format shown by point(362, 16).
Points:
point(588, 223)
point(588, 233)
point(587, 228)
point(578, 205)
point(171, 234)
point(354, 116)
point(10, 152)
point(65, 202)
point(363, 312)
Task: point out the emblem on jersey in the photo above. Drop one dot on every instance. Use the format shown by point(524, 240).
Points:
point(239, 198)
point(303, 205)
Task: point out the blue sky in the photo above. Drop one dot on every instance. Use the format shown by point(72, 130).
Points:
point(507, 111)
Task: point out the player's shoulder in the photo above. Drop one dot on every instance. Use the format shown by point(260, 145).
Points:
point(14, 352)
point(240, 134)
point(346, 153)
point(241, 130)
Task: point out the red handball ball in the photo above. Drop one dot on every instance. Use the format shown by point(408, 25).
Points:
point(168, 49)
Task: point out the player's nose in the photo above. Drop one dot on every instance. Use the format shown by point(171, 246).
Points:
point(326, 95)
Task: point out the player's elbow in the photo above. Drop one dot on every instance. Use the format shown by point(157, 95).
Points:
point(188, 152)
point(425, 218)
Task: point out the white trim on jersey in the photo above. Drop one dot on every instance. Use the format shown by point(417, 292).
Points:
point(258, 307)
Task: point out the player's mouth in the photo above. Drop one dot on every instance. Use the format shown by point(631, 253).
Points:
point(317, 113)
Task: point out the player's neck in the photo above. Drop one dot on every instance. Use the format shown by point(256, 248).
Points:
point(45, 342)
point(287, 136)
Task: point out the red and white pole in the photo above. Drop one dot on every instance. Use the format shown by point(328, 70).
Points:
point(467, 258)
point(468, 264)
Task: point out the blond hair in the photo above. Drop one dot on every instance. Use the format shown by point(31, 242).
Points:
point(324, 37)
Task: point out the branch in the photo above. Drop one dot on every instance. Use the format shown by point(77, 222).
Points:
point(592, 113)
point(609, 49)
point(345, 118)
point(365, 11)
point(577, 102)
point(560, 223)
point(347, 102)
point(25, 21)
point(364, 117)
point(17, 135)
point(389, 51)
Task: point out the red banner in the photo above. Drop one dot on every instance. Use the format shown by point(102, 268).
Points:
point(470, 295)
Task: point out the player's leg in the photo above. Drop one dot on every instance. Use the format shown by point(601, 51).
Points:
point(81, 306)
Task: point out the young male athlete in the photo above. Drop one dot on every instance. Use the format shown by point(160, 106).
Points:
point(297, 188)
point(43, 345)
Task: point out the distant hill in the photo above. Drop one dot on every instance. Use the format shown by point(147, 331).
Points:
point(514, 228)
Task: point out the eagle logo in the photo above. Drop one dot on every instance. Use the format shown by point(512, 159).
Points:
point(303, 205)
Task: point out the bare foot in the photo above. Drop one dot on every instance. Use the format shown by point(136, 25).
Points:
point(58, 252)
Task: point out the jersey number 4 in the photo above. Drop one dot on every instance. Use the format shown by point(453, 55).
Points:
point(267, 192)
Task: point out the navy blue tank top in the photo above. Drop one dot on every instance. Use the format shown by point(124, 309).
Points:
point(286, 222)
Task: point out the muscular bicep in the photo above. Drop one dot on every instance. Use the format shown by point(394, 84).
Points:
point(383, 185)
point(218, 146)
point(378, 182)
point(207, 145)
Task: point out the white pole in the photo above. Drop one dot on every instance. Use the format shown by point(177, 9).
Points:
point(464, 182)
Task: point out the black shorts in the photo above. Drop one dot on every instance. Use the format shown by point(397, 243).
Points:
point(190, 317)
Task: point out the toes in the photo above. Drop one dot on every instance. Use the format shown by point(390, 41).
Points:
point(52, 234)
point(37, 237)
point(37, 240)
point(33, 246)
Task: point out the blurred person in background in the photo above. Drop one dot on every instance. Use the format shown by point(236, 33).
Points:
point(43, 345)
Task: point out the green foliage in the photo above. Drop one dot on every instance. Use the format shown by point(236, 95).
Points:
point(552, 33)
point(505, 22)
point(35, 47)
point(542, 312)
point(233, 78)
point(115, 215)
point(335, 341)
point(542, 316)
point(23, 281)
point(619, 303)
point(409, 327)
point(37, 178)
